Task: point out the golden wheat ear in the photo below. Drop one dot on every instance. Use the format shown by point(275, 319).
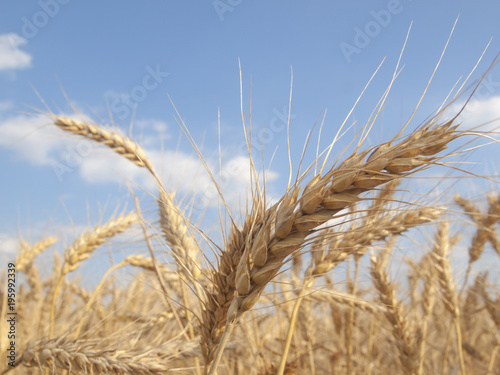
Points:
point(82, 356)
point(440, 255)
point(83, 247)
point(282, 230)
point(404, 332)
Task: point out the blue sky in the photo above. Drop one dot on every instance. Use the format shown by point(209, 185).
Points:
point(119, 60)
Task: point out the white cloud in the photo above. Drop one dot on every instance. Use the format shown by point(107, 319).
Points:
point(8, 245)
point(236, 180)
point(153, 130)
point(158, 126)
point(480, 114)
point(182, 172)
point(102, 165)
point(11, 57)
point(29, 137)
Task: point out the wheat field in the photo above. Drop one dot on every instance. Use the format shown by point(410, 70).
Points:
point(316, 282)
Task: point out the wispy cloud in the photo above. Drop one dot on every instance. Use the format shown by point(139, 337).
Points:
point(11, 56)
point(481, 114)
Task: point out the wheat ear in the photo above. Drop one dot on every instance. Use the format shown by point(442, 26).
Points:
point(493, 308)
point(175, 232)
point(406, 339)
point(118, 143)
point(28, 253)
point(81, 356)
point(485, 232)
point(375, 225)
point(83, 247)
point(255, 254)
point(24, 263)
point(448, 289)
point(357, 241)
point(428, 300)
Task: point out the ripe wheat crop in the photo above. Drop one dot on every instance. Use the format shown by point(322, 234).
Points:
point(312, 283)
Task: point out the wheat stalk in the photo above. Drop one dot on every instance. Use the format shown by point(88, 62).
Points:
point(428, 301)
